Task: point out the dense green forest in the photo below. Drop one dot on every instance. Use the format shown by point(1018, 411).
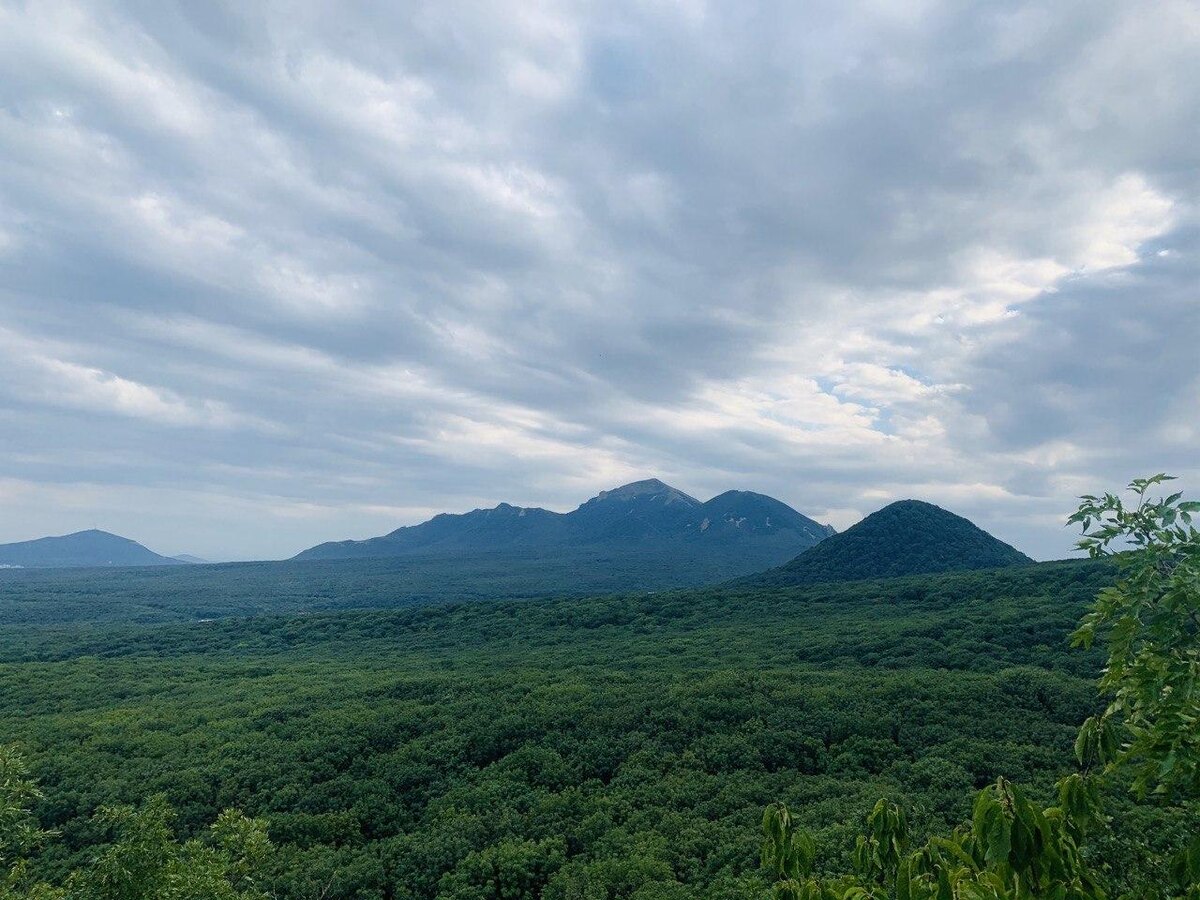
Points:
point(606, 747)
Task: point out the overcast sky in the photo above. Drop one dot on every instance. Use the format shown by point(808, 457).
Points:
point(273, 274)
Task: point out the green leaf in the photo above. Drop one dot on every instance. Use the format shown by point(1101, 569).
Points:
point(904, 881)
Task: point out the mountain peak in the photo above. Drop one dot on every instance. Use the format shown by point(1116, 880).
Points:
point(913, 505)
point(907, 537)
point(647, 487)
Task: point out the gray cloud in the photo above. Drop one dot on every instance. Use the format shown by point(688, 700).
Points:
point(280, 273)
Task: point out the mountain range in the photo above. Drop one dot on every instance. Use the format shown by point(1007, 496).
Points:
point(642, 536)
point(735, 533)
point(81, 549)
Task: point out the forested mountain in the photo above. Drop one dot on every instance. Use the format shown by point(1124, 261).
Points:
point(739, 530)
point(83, 548)
point(904, 538)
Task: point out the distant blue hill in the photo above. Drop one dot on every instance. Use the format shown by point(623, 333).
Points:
point(83, 548)
point(736, 533)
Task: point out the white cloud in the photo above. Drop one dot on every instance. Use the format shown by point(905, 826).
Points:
point(1124, 217)
point(395, 261)
point(37, 376)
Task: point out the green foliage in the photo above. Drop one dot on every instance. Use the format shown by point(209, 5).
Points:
point(1014, 848)
point(1150, 621)
point(19, 831)
point(510, 870)
point(144, 861)
point(879, 853)
point(787, 851)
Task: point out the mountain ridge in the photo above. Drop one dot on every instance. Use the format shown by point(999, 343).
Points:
point(647, 515)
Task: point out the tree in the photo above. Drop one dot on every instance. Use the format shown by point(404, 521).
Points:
point(144, 862)
point(1014, 849)
point(19, 831)
point(1150, 620)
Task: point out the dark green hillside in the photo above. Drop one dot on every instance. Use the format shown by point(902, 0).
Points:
point(904, 538)
point(612, 747)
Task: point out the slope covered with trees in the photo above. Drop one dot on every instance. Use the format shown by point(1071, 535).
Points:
point(904, 538)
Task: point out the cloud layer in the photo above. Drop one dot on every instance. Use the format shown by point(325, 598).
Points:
point(281, 273)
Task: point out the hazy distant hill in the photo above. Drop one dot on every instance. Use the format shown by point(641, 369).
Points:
point(83, 548)
point(909, 537)
point(739, 531)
